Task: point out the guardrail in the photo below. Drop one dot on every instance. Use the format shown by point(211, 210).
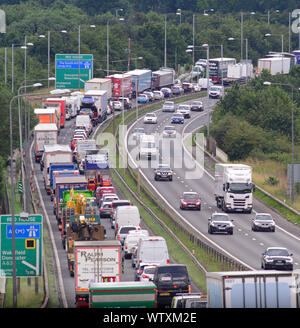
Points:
point(195, 239)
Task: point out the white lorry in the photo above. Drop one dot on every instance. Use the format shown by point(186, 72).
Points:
point(83, 146)
point(274, 65)
point(84, 120)
point(44, 134)
point(233, 187)
point(99, 84)
point(95, 262)
point(55, 153)
point(252, 289)
point(204, 83)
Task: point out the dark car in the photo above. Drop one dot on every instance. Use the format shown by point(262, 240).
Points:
point(277, 258)
point(220, 222)
point(163, 172)
point(86, 111)
point(197, 106)
point(105, 210)
point(190, 200)
point(263, 222)
point(177, 90)
point(170, 280)
point(177, 118)
point(187, 87)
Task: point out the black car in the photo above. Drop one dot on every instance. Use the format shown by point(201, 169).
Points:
point(187, 87)
point(197, 106)
point(170, 280)
point(277, 258)
point(220, 222)
point(163, 172)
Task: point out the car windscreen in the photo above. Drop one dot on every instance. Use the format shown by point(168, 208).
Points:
point(277, 252)
point(179, 272)
point(169, 128)
point(190, 196)
point(220, 218)
point(263, 217)
point(150, 270)
point(126, 229)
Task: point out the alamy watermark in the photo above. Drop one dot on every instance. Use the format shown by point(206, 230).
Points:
point(2, 21)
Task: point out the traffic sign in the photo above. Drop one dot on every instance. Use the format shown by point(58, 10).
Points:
point(29, 245)
point(68, 70)
point(20, 187)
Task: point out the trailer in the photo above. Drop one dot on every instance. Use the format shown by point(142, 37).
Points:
point(141, 80)
point(98, 262)
point(44, 134)
point(252, 289)
point(126, 294)
point(97, 101)
point(274, 65)
point(51, 102)
point(121, 85)
point(83, 146)
point(99, 84)
point(163, 78)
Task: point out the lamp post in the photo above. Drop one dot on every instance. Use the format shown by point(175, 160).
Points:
point(267, 83)
point(178, 12)
point(205, 11)
point(269, 35)
point(242, 29)
point(270, 13)
point(247, 64)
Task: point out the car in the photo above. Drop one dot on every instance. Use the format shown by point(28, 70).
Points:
point(115, 205)
point(277, 258)
point(191, 300)
point(163, 172)
point(158, 95)
point(168, 106)
point(148, 273)
point(177, 90)
point(126, 100)
point(142, 98)
point(185, 110)
point(108, 198)
point(73, 142)
point(105, 209)
point(131, 241)
point(187, 87)
point(86, 111)
point(150, 118)
point(123, 231)
point(220, 222)
point(117, 105)
point(190, 200)
point(216, 91)
point(167, 92)
point(137, 132)
point(169, 132)
point(79, 133)
point(263, 221)
point(149, 94)
point(177, 118)
point(196, 87)
point(197, 105)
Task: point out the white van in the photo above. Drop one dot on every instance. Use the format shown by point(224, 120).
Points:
point(127, 216)
point(148, 148)
point(152, 251)
point(131, 241)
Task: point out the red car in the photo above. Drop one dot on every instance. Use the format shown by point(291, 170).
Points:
point(190, 200)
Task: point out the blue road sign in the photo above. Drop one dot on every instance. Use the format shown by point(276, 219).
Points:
point(24, 231)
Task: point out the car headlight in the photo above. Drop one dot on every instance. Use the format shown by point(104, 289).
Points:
point(290, 260)
point(268, 259)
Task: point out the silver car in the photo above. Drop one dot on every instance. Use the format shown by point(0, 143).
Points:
point(150, 118)
point(168, 106)
point(263, 221)
point(169, 132)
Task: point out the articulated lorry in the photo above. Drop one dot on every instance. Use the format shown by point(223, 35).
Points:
point(163, 78)
point(141, 80)
point(234, 187)
point(52, 102)
point(96, 100)
point(97, 262)
point(44, 134)
point(274, 65)
point(125, 294)
point(99, 84)
point(121, 85)
point(253, 289)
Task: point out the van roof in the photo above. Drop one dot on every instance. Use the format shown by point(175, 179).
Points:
point(128, 208)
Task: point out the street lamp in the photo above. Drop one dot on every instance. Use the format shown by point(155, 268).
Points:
point(270, 13)
point(242, 29)
point(247, 64)
point(267, 83)
point(121, 18)
point(179, 14)
point(205, 11)
point(268, 35)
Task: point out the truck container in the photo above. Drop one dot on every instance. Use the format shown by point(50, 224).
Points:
point(96, 100)
point(274, 65)
point(141, 80)
point(218, 68)
point(163, 78)
point(77, 95)
point(238, 73)
point(233, 187)
point(46, 115)
point(59, 167)
point(62, 102)
point(126, 294)
point(84, 120)
point(64, 173)
point(71, 105)
point(44, 134)
point(99, 84)
point(54, 153)
point(83, 146)
point(252, 289)
point(97, 262)
point(62, 184)
point(121, 85)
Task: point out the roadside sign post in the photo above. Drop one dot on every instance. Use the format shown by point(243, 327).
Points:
point(71, 68)
point(29, 245)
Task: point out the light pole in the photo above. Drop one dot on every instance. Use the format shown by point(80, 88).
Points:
point(205, 45)
point(267, 36)
point(178, 12)
point(117, 10)
point(242, 29)
point(247, 64)
point(205, 11)
point(270, 13)
point(267, 83)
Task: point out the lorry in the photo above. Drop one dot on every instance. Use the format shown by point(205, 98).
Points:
point(71, 105)
point(97, 262)
point(44, 134)
point(62, 184)
point(54, 153)
point(96, 169)
point(77, 96)
point(80, 227)
point(56, 169)
point(46, 115)
point(125, 294)
point(204, 83)
point(141, 80)
point(97, 101)
point(50, 102)
point(99, 84)
point(252, 289)
point(84, 120)
point(121, 85)
point(164, 77)
point(238, 73)
point(82, 147)
point(233, 187)
point(274, 65)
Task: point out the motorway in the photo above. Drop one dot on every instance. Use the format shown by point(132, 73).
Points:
point(245, 245)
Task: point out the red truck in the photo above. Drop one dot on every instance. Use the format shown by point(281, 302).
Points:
point(121, 85)
point(62, 103)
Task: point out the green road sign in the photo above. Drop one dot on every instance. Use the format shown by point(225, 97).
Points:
point(20, 187)
point(29, 245)
point(67, 71)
